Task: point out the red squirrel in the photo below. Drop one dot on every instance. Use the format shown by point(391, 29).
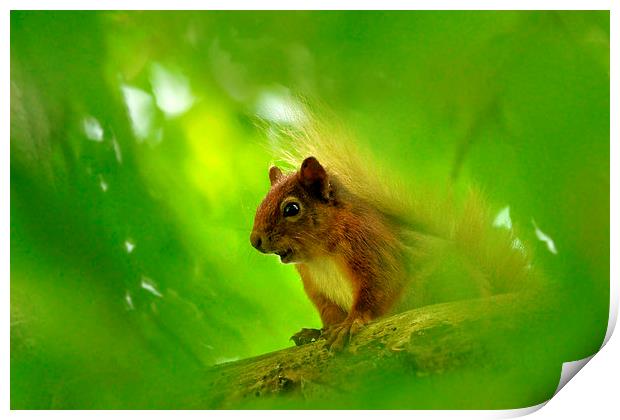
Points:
point(363, 250)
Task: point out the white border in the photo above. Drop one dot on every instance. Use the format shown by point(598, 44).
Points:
point(614, 171)
point(314, 5)
point(596, 383)
point(5, 188)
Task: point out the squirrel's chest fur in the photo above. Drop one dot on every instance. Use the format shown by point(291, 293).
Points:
point(328, 279)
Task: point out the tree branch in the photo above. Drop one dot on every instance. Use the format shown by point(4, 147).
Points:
point(430, 340)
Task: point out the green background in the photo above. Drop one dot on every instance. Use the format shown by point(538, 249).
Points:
point(137, 164)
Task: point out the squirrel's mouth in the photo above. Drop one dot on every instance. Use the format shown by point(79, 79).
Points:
point(285, 256)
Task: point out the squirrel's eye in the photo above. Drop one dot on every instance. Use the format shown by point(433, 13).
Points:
point(291, 209)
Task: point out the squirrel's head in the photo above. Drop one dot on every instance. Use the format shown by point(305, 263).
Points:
point(292, 218)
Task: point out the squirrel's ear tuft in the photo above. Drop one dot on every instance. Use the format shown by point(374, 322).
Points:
point(274, 174)
point(313, 176)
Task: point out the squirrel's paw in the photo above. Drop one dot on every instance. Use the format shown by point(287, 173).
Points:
point(306, 336)
point(338, 336)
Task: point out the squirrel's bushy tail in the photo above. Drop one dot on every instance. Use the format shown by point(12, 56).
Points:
point(464, 227)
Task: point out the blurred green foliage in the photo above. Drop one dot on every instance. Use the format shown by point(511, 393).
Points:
point(136, 167)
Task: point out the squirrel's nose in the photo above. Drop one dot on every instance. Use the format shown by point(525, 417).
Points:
point(256, 241)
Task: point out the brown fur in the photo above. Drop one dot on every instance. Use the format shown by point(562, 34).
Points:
point(334, 226)
point(366, 246)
